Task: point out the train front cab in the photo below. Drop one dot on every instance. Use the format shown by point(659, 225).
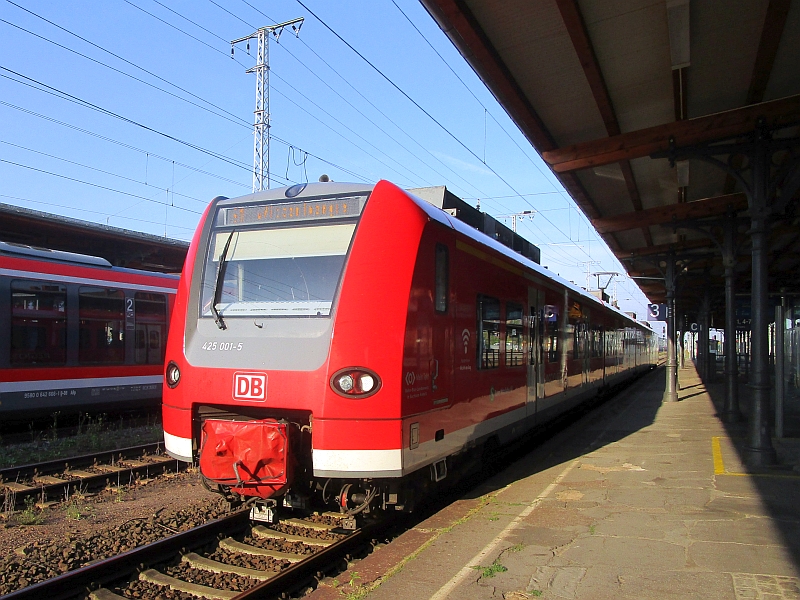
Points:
point(300, 333)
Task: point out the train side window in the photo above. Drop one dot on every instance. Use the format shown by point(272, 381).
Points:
point(597, 341)
point(551, 332)
point(38, 323)
point(576, 323)
point(151, 326)
point(515, 337)
point(442, 278)
point(488, 332)
point(102, 325)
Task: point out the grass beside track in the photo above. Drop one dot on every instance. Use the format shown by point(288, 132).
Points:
point(93, 434)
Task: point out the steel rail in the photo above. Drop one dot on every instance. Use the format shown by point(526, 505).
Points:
point(297, 575)
point(85, 460)
point(80, 581)
point(11, 477)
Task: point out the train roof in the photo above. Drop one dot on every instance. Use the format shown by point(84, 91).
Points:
point(298, 192)
point(72, 258)
point(25, 251)
point(121, 247)
point(315, 190)
point(446, 219)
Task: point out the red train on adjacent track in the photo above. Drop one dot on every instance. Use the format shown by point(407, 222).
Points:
point(355, 344)
point(77, 334)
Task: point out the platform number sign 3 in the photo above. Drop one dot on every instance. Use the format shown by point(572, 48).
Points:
point(656, 312)
point(250, 386)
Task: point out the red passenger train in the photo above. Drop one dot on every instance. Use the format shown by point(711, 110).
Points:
point(79, 334)
point(351, 344)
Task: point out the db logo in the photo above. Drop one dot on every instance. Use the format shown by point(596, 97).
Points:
point(250, 386)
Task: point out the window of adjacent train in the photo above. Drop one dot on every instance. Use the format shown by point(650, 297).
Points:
point(515, 337)
point(38, 323)
point(151, 326)
point(442, 276)
point(102, 322)
point(276, 271)
point(488, 332)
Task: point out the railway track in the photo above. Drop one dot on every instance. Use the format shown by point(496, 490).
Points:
point(59, 479)
point(230, 557)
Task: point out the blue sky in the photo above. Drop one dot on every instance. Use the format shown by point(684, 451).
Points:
point(150, 159)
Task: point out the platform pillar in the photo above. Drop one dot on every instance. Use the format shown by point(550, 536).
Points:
point(730, 411)
point(702, 343)
point(759, 450)
point(671, 391)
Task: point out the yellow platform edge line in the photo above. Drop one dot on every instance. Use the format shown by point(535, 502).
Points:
point(719, 465)
point(716, 452)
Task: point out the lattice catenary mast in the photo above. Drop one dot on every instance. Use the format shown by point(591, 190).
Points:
point(261, 121)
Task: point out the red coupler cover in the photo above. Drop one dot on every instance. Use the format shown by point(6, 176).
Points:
point(244, 452)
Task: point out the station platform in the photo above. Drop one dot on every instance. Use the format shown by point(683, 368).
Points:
point(638, 499)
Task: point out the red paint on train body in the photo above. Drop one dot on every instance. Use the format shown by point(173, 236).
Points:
point(79, 334)
point(420, 340)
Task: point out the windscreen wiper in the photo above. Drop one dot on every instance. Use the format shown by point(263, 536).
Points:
point(223, 264)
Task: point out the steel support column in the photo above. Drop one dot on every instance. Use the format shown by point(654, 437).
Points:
point(780, 324)
point(759, 450)
point(705, 309)
point(671, 391)
point(730, 411)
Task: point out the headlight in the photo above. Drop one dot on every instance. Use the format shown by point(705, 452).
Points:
point(355, 382)
point(173, 374)
point(345, 383)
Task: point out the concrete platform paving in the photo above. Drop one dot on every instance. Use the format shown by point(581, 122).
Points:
point(638, 499)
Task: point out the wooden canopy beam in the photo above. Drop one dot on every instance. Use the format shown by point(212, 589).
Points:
point(579, 35)
point(677, 247)
point(644, 142)
point(458, 22)
point(699, 209)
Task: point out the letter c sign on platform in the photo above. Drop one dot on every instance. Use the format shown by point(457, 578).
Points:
point(249, 386)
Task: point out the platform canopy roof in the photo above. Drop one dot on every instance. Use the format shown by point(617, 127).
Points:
point(120, 247)
point(600, 86)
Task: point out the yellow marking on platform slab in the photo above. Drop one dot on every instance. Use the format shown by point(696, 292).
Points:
point(719, 465)
point(716, 451)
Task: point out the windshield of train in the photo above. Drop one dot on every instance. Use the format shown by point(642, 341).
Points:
point(278, 260)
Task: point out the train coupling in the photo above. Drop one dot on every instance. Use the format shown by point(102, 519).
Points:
point(264, 512)
point(296, 501)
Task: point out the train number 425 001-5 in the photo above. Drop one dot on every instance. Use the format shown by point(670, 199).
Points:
point(223, 346)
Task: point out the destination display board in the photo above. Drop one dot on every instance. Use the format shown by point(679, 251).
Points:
point(301, 210)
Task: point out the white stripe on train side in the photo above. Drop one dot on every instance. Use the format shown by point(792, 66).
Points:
point(58, 384)
point(70, 279)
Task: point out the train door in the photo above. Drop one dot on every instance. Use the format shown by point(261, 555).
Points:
point(441, 367)
point(535, 351)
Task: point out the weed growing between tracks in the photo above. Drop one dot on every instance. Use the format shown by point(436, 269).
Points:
point(31, 515)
